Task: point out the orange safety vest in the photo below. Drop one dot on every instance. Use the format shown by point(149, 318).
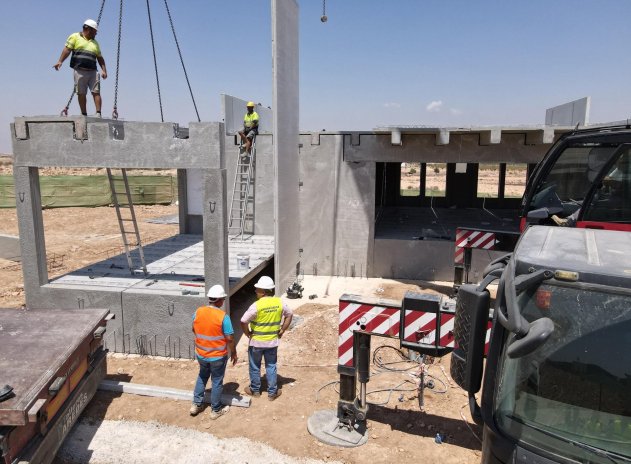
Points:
point(210, 341)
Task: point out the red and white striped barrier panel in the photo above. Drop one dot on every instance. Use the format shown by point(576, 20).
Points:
point(384, 319)
point(376, 319)
point(472, 239)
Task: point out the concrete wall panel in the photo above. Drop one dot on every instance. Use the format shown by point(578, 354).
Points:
point(285, 60)
point(570, 114)
point(53, 142)
point(355, 219)
point(235, 108)
point(337, 209)
point(319, 174)
point(159, 323)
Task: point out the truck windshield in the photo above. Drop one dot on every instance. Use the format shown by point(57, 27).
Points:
point(571, 176)
point(572, 396)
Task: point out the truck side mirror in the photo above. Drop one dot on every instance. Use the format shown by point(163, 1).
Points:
point(538, 333)
point(470, 324)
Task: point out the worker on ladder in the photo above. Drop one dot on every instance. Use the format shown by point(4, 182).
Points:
point(85, 54)
point(250, 127)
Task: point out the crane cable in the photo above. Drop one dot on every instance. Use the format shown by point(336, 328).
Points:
point(64, 112)
point(155, 61)
point(181, 59)
point(118, 53)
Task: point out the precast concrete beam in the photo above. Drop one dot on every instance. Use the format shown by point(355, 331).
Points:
point(64, 142)
point(172, 393)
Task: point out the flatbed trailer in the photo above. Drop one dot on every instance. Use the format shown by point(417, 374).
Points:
point(54, 361)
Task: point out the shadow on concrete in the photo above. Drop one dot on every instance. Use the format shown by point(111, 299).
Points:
point(412, 422)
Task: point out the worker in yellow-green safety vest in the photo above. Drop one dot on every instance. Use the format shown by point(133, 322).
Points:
point(264, 323)
point(86, 53)
point(250, 127)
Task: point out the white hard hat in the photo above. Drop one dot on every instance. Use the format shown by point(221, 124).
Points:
point(91, 23)
point(216, 292)
point(265, 283)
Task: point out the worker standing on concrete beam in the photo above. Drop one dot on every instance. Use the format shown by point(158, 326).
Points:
point(213, 336)
point(264, 323)
point(250, 127)
point(86, 52)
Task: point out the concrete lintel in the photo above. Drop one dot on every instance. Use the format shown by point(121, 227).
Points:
point(172, 393)
point(52, 141)
point(540, 136)
point(491, 137)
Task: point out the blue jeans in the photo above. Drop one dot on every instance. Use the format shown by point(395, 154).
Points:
point(215, 370)
point(255, 355)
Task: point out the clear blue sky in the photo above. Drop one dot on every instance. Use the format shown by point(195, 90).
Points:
point(375, 62)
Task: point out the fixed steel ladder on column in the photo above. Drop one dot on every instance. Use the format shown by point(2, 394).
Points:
point(241, 198)
point(122, 220)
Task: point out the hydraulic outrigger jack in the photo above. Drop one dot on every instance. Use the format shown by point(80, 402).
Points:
point(347, 426)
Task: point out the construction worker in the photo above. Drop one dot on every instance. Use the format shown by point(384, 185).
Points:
point(250, 127)
point(86, 52)
point(264, 323)
point(213, 336)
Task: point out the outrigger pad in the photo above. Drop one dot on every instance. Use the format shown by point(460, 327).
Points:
point(6, 392)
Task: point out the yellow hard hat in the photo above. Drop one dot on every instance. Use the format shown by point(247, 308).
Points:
point(251, 104)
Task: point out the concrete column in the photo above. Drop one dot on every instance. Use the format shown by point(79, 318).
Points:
point(30, 222)
point(182, 198)
point(216, 230)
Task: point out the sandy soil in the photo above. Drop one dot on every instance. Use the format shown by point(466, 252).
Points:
point(398, 429)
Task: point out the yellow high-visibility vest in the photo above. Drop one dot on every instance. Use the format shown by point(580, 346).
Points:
point(266, 324)
point(249, 119)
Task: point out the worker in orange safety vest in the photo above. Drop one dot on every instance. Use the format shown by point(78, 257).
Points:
point(213, 337)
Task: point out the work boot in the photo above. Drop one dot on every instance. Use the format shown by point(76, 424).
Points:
point(195, 409)
point(216, 414)
point(559, 221)
point(275, 395)
point(248, 391)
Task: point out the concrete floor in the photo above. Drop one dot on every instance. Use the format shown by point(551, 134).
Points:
point(170, 263)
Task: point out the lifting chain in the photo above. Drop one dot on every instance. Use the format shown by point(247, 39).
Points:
point(155, 61)
point(323, 18)
point(64, 112)
point(118, 53)
point(181, 60)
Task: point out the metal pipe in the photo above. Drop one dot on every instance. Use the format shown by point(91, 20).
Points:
point(362, 395)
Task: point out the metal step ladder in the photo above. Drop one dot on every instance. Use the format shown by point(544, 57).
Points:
point(241, 192)
point(130, 246)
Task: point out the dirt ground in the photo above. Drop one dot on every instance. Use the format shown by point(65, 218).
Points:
point(398, 430)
